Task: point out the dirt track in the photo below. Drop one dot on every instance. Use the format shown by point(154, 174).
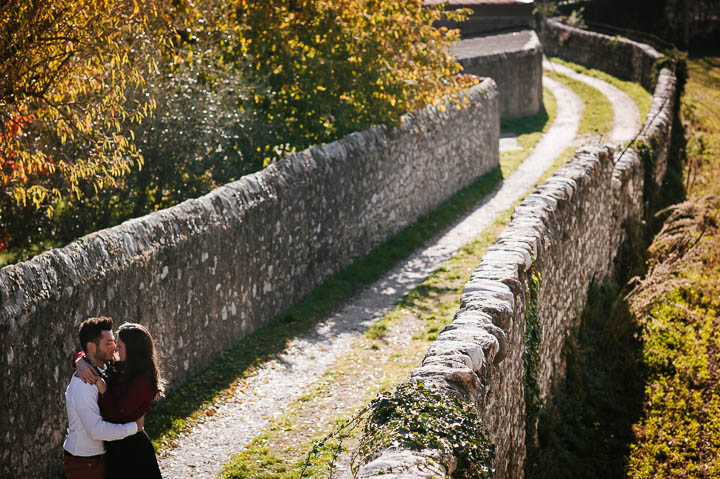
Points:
point(277, 383)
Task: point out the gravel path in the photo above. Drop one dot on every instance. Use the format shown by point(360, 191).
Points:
point(627, 116)
point(203, 452)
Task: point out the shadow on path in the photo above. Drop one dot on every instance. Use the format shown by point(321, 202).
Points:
point(267, 343)
point(272, 367)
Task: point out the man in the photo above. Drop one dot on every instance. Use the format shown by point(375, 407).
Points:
point(84, 451)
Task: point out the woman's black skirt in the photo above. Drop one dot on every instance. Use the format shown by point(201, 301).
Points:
point(132, 457)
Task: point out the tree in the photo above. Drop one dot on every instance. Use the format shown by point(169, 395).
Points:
point(238, 83)
point(321, 69)
point(65, 68)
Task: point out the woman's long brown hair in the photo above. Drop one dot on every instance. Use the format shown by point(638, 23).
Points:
point(140, 357)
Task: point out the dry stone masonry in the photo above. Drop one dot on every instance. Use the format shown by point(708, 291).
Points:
point(567, 233)
point(206, 273)
point(514, 61)
point(487, 16)
point(622, 58)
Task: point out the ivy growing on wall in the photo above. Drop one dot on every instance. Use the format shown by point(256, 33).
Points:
point(676, 61)
point(414, 417)
point(531, 362)
point(647, 151)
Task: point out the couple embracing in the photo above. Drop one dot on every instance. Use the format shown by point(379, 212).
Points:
point(107, 399)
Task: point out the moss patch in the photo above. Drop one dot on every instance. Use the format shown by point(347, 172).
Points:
point(416, 418)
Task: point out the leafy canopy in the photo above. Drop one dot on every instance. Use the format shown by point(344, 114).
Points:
point(65, 68)
point(113, 109)
point(321, 69)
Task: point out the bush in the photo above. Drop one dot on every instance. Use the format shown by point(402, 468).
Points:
point(320, 69)
point(248, 82)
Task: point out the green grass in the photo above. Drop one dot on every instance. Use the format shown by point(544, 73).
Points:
point(191, 402)
point(188, 404)
point(597, 116)
point(529, 130)
point(678, 436)
point(640, 96)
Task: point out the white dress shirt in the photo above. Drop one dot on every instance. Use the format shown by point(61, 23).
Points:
point(86, 428)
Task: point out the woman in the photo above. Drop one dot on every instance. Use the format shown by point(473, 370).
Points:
point(133, 383)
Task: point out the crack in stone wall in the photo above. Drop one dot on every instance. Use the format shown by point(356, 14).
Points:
point(206, 273)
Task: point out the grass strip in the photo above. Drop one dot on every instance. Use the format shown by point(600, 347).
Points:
point(191, 402)
point(639, 95)
point(279, 451)
point(597, 117)
point(529, 130)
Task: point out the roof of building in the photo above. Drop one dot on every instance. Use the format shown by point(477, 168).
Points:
point(463, 3)
point(489, 44)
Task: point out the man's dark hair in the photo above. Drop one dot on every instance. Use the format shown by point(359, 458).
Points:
point(91, 330)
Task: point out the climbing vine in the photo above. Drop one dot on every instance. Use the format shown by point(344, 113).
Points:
point(531, 361)
point(647, 151)
point(676, 61)
point(414, 417)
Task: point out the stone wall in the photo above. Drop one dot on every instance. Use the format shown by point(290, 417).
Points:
point(620, 57)
point(514, 61)
point(569, 231)
point(204, 274)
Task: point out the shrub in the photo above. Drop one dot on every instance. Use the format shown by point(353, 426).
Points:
point(320, 69)
point(246, 82)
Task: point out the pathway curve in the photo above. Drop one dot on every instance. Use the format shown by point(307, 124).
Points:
point(202, 453)
point(626, 122)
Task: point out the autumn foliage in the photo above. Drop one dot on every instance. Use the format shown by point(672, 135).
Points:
point(321, 69)
point(234, 85)
point(65, 69)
